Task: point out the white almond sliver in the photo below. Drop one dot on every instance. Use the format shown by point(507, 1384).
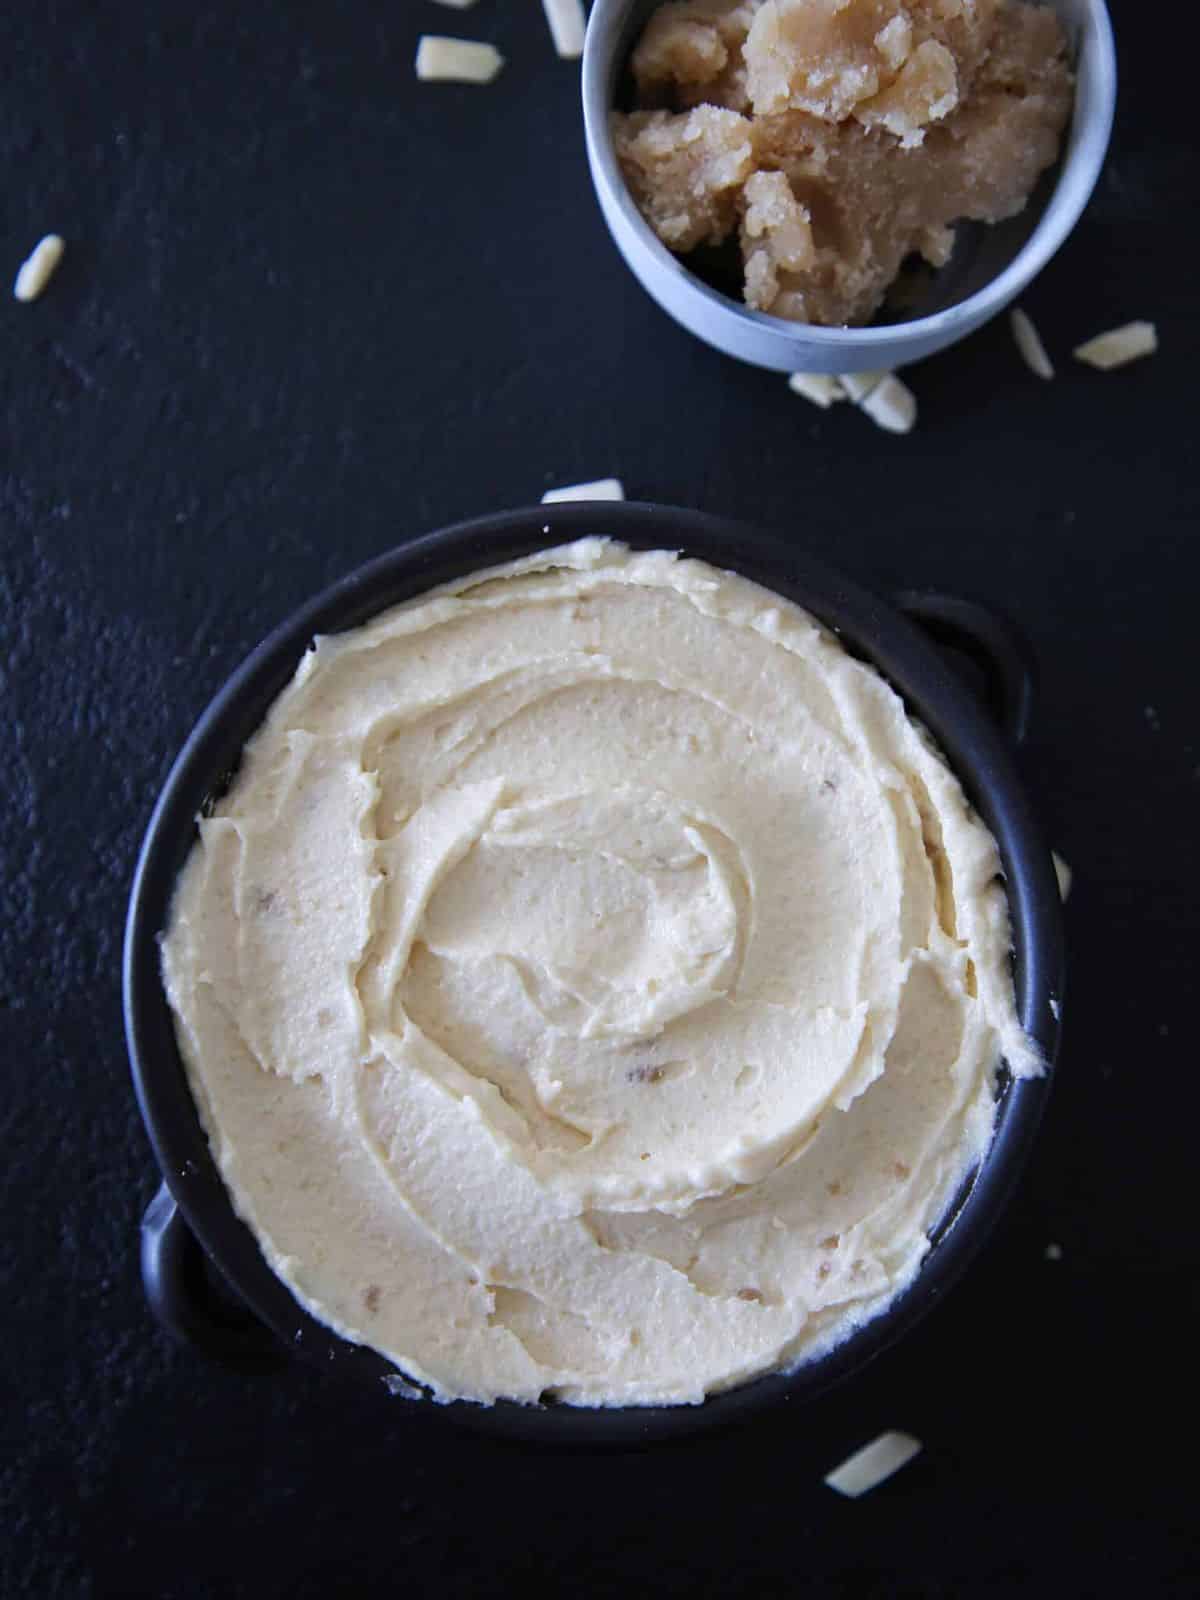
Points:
point(36, 272)
point(822, 388)
point(455, 5)
point(867, 1468)
point(858, 385)
point(602, 489)
point(567, 26)
point(1063, 873)
point(1029, 343)
point(441, 60)
point(1119, 345)
point(891, 405)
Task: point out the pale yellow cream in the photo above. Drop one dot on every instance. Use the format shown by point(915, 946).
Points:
point(593, 982)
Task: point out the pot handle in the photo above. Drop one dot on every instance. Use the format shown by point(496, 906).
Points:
point(984, 647)
point(188, 1304)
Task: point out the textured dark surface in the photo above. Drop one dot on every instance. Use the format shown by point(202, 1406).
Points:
point(309, 307)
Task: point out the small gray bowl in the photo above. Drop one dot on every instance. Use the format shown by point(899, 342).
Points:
point(990, 267)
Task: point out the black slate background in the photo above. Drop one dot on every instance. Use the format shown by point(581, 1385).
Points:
point(310, 307)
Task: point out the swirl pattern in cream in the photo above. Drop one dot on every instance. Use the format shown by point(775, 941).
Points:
point(593, 982)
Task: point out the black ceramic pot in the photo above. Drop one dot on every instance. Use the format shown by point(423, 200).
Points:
point(963, 672)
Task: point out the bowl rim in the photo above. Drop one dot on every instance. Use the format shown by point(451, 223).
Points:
point(1076, 178)
point(870, 627)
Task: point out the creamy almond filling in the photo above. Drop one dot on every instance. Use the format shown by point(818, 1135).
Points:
point(593, 981)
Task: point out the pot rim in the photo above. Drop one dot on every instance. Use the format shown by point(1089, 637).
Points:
point(974, 747)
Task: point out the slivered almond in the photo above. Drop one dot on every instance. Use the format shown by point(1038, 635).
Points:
point(36, 272)
point(442, 60)
point(601, 489)
point(567, 26)
point(1029, 343)
point(822, 388)
point(867, 1468)
point(1063, 873)
point(891, 405)
point(858, 385)
point(1119, 346)
point(882, 396)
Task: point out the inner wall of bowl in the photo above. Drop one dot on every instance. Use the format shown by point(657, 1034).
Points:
point(982, 251)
